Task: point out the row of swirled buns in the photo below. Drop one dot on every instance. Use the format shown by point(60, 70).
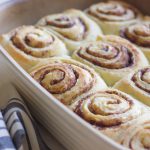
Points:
point(98, 61)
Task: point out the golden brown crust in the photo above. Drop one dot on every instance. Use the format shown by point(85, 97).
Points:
point(66, 79)
point(72, 26)
point(141, 79)
point(112, 57)
point(108, 108)
point(138, 34)
point(138, 134)
point(114, 11)
point(137, 84)
point(29, 45)
point(63, 22)
point(111, 16)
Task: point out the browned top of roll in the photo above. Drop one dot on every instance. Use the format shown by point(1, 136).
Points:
point(107, 108)
point(111, 52)
point(65, 81)
point(113, 11)
point(138, 33)
point(142, 79)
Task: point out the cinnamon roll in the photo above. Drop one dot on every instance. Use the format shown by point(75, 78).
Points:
point(137, 136)
point(113, 15)
point(137, 84)
point(29, 45)
point(139, 34)
point(109, 111)
point(72, 26)
point(66, 79)
point(112, 57)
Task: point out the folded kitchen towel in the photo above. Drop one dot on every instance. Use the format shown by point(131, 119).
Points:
point(8, 96)
point(18, 130)
point(5, 139)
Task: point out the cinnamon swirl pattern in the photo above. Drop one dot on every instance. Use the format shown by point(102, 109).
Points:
point(137, 84)
point(72, 26)
point(108, 110)
point(139, 34)
point(29, 45)
point(112, 15)
point(67, 79)
point(137, 136)
point(112, 57)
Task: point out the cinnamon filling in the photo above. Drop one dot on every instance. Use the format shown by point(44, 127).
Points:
point(140, 81)
point(37, 43)
point(70, 23)
point(63, 79)
point(62, 22)
point(137, 35)
point(112, 12)
point(98, 122)
point(144, 139)
point(125, 57)
point(33, 43)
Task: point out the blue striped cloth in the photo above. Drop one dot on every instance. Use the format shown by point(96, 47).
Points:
point(5, 139)
point(18, 130)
